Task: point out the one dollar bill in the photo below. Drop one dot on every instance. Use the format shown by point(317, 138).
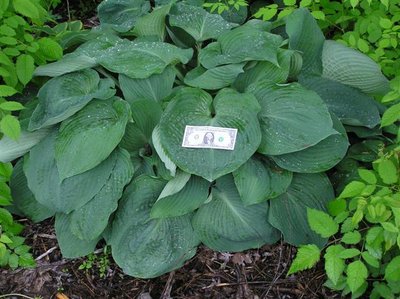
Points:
point(209, 137)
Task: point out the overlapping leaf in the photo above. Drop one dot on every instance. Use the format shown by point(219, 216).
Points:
point(288, 212)
point(352, 68)
point(142, 59)
point(63, 96)
point(88, 138)
point(147, 248)
point(62, 195)
point(259, 179)
point(350, 105)
point(176, 203)
point(215, 78)
point(156, 87)
point(292, 118)
point(245, 43)
point(227, 224)
point(23, 198)
point(306, 37)
point(199, 23)
point(122, 15)
point(320, 157)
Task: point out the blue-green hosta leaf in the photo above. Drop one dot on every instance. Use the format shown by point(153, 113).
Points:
point(23, 198)
point(85, 56)
point(63, 96)
point(62, 195)
point(193, 194)
point(161, 153)
point(11, 149)
point(194, 107)
point(156, 87)
point(226, 224)
point(122, 15)
point(196, 21)
point(215, 78)
point(90, 220)
point(88, 137)
point(292, 118)
point(70, 245)
point(137, 139)
point(350, 105)
point(259, 179)
point(306, 37)
point(265, 70)
point(153, 24)
point(288, 212)
point(142, 59)
point(320, 157)
point(145, 247)
point(350, 67)
point(245, 43)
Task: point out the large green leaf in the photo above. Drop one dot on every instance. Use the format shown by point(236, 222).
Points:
point(85, 56)
point(142, 59)
point(288, 212)
point(215, 78)
point(245, 43)
point(320, 157)
point(121, 15)
point(90, 220)
point(23, 198)
point(226, 224)
point(265, 70)
point(156, 87)
point(190, 197)
point(62, 195)
point(152, 24)
point(70, 245)
point(350, 105)
point(12, 149)
point(88, 137)
point(306, 37)
point(350, 67)
point(196, 21)
point(259, 179)
point(196, 107)
point(292, 118)
point(161, 153)
point(147, 248)
point(63, 96)
point(138, 134)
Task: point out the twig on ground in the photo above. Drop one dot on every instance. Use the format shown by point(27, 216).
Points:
point(46, 253)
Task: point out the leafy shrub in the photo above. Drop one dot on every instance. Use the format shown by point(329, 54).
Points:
point(114, 168)
point(365, 220)
point(21, 51)
point(13, 252)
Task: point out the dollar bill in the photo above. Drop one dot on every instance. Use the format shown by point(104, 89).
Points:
point(209, 137)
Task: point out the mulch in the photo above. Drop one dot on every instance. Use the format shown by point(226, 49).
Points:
point(252, 274)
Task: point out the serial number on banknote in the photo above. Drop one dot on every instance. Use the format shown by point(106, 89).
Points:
point(209, 137)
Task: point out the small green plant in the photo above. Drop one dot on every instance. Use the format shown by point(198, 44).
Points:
point(364, 224)
point(13, 252)
point(21, 50)
point(94, 262)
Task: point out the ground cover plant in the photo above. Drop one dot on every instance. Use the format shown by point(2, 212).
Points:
point(102, 150)
point(364, 220)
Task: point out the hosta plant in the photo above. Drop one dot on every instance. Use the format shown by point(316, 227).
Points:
point(103, 146)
